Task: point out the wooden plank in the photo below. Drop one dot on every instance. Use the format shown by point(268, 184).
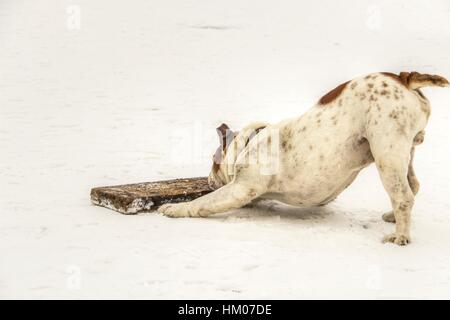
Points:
point(147, 196)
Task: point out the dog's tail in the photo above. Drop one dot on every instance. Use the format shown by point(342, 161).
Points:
point(415, 80)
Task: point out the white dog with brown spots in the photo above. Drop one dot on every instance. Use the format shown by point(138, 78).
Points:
point(311, 159)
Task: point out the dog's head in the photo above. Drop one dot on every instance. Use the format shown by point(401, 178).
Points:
point(217, 177)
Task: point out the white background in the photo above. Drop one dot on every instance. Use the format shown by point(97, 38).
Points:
point(104, 92)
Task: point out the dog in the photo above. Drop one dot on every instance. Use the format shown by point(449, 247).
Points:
point(377, 118)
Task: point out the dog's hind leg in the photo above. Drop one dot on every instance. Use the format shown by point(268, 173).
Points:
point(392, 154)
point(413, 183)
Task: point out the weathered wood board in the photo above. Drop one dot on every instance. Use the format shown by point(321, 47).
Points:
point(147, 196)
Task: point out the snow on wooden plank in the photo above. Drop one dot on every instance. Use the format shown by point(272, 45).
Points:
point(147, 196)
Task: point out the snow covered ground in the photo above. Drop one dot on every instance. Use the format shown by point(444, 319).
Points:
point(104, 92)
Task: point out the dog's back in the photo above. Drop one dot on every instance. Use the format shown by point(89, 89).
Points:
point(324, 149)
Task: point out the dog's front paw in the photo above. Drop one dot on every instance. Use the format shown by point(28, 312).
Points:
point(399, 239)
point(174, 210)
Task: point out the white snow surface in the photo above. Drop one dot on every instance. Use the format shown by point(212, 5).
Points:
point(111, 102)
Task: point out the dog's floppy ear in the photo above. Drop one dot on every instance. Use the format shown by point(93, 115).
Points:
point(226, 135)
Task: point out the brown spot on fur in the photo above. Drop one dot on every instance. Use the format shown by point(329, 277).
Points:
point(289, 133)
point(401, 128)
point(333, 94)
point(353, 85)
point(393, 114)
point(370, 76)
point(384, 92)
point(370, 85)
